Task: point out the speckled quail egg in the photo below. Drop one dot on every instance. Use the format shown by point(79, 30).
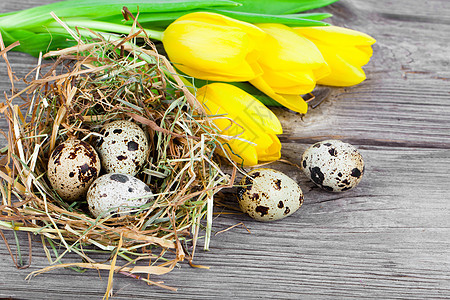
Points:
point(117, 193)
point(269, 195)
point(333, 165)
point(123, 147)
point(72, 167)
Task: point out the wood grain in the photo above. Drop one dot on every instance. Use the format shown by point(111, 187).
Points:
point(387, 239)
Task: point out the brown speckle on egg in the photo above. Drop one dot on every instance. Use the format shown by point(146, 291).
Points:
point(132, 146)
point(277, 183)
point(119, 178)
point(262, 210)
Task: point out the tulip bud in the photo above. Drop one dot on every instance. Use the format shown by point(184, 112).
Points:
point(247, 128)
point(345, 51)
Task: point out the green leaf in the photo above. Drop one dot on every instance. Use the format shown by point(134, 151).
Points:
point(163, 18)
point(277, 7)
point(312, 16)
point(33, 43)
point(99, 26)
point(292, 20)
point(150, 20)
point(94, 9)
point(266, 100)
point(7, 14)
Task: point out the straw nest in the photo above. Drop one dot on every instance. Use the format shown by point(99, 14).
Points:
point(83, 88)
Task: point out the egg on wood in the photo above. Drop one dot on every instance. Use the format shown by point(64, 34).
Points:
point(269, 195)
point(72, 167)
point(123, 147)
point(333, 165)
point(117, 193)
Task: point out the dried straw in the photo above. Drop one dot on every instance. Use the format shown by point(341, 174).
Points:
point(86, 86)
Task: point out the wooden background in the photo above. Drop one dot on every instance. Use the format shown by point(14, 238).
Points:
point(387, 239)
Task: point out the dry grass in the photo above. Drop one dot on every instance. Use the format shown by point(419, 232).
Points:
point(83, 88)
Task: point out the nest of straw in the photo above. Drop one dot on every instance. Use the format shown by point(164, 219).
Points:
point(83, 88)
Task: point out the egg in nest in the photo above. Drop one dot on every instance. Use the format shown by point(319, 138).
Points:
point(72, 167)
point(123, 147)
point(117, 193)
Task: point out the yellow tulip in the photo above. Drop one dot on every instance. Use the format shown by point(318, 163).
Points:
point(291, 64)
point(214, 47)
point(345, 51)
point(247, 128)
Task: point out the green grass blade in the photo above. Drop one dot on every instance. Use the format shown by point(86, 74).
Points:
point(19, 252)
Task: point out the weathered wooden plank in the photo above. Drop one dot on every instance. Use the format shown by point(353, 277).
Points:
point(387, 239)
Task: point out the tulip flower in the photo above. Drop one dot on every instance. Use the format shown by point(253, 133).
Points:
point(246, 128)
point(345, 51)
point(214, 47)
point(291, 66)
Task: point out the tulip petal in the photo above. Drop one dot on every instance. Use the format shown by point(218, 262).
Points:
point(343, 73)
point(271, 153)
point(290, 82)
point(367, 49)
point(345, 51)
point(228, 126)
point(353, 55)
point(246, 127)
point(291, 63)
point(247, 135)
point(213, 18)
point(293, 102)
point(241, 107)
point(286, 50)
point(335, 35)
point(189, 42)
point(239, 73)
point(238, 151)
point(214, 47)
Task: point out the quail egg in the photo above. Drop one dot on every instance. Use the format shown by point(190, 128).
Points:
point(123, 147)
point(269, 195)
point(117, 193)
point(333, 165)
point(72, 167)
